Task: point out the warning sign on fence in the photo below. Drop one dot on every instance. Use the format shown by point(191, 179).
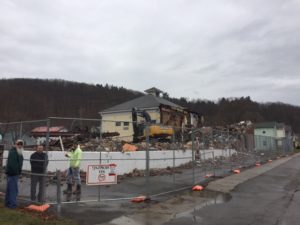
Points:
point(103, 174)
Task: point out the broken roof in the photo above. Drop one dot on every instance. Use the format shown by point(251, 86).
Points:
point(143, 102)
point(51, 129)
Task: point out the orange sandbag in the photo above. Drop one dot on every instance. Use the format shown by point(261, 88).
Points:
point(198, 188)
point(129, 148)
point(208, 175)
point(38, 208)
point(237, 171)
point(139, 199)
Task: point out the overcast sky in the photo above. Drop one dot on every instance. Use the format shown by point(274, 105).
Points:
point(189, 48)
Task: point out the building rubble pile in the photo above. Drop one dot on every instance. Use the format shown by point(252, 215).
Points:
point(217, 137)
point(110, 145)
point(220, 137)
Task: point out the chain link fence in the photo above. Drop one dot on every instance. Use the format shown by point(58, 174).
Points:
point(151, 159)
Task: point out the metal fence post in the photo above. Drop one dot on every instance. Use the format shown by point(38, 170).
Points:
point(58, 191)
point(173, 141)
point(100, 159)
point(214, 165)
point(230, 159)
point(100, 130)
point(48, 136)
point(147, 172)
point(204, 161)
point(193, 154)
point(224, 160)
point(99, 186)
point(45, 161)
point(21, 128)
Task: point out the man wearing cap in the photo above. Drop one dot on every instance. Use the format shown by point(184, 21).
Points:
point(73, 173)
point(13, 170)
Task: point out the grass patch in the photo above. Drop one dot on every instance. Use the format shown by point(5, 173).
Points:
point(22, 216)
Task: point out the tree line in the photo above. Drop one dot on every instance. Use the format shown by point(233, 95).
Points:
point(27, 99)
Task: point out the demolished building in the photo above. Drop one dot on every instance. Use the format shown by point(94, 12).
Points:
point(120, 118)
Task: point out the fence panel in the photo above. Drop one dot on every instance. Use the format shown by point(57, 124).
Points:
point(147, 163)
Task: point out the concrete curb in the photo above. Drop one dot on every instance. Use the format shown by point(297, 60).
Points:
point(227, 184)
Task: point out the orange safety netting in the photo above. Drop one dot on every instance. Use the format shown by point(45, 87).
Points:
point(237, 171)
point(38, 208)
point(138, 199)
point(198, 188)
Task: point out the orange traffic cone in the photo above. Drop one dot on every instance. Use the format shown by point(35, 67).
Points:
point(38, 208)
point(270, 160)
point(138, 199)
point(257, 164)
point(198, 188)
point(237, 171)
point(208, 175)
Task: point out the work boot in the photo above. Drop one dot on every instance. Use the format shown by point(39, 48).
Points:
point(68, 190)
point(78, 190)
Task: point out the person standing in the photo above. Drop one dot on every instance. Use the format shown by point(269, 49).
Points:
point(13, 171)
point(73, 174)
point(38, 162)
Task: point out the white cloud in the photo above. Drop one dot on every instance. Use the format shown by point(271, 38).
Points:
point(197, 49)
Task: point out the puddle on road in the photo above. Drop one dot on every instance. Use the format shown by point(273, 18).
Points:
point(192, 215)
point(184, 207)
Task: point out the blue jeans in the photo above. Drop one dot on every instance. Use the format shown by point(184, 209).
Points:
point(73, 175)
point(11, 191)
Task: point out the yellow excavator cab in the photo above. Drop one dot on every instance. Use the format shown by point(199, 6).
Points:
point(158, 130)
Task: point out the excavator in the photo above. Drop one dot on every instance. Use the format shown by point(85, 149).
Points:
point(155, 130)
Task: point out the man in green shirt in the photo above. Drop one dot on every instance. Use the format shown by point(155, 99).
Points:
point(73, 175)
point(13, 171)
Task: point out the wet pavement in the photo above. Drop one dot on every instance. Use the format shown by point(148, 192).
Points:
point(272, 198)
point(227, 184)
point(178, 207)
point(268, 198)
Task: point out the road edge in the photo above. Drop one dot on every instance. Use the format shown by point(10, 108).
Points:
point(227, 184)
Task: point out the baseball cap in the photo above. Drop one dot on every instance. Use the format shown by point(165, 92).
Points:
point(20, 142)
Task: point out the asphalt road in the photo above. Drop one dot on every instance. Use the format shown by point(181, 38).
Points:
point(272, 198)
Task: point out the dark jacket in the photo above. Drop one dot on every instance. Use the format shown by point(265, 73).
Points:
point(14, 163)
point(38, 162)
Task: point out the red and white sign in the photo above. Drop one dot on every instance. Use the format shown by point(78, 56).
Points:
point(103, 174)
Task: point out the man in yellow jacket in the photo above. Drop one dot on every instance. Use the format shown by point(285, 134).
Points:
point(73, 175)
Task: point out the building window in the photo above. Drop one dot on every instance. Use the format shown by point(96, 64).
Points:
point(264, 132)
point(125, 128)
point(153, 121)
point(126, 123)
point(118, 124)
point(264, 143)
